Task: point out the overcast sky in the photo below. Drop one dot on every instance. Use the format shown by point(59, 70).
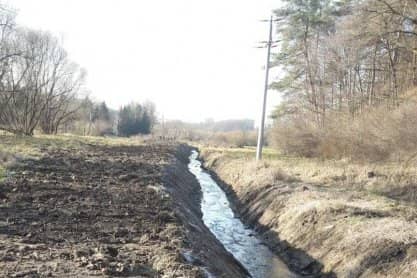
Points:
point(194, 58)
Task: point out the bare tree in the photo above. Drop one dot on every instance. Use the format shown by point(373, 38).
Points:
point(38, 82)
point(64, 80)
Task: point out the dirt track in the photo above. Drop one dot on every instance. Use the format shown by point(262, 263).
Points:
point(103, 210)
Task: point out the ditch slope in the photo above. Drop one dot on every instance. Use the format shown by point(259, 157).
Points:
point(320, 230)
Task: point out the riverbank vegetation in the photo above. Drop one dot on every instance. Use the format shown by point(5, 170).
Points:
point(335, 216)
point(349, 82)
point(390, 179)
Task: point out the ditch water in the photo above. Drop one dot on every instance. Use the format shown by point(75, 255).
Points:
point(239, 240)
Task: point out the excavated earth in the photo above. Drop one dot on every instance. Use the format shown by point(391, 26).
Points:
point(98, 210)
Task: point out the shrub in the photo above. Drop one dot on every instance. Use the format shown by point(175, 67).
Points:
point(237, 139)
point(378, 134)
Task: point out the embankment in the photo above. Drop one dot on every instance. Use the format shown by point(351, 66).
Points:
point(205, 250)
point(317, 229)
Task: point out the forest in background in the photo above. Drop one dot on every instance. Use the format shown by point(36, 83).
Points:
point(225, 133)
point(350, 69)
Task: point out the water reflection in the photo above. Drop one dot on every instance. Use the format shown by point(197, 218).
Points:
point(237, 239)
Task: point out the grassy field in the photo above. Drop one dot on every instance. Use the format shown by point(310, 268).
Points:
point(395, 179)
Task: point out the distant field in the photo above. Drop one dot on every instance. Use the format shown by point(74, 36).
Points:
point(246, 152)
point(14, 148)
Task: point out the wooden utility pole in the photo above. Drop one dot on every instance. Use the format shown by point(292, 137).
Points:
point(262, 123)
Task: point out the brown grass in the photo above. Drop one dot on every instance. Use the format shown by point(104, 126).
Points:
point(233, 139)
point(393, 179)
point(354, 223)
point(378, 134)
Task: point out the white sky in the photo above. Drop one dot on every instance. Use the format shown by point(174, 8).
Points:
point(194, 58)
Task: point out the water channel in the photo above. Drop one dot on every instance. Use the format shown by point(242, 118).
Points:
point(239, 240)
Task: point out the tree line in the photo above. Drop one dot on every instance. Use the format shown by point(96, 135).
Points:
point(344, 57)
point(136, 119)
point(41, 89)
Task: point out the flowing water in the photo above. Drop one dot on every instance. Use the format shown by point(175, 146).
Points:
point(239, 240)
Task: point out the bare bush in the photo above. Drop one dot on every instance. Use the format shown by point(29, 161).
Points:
point(38, 83)
point(237, 139)
point(376, 135)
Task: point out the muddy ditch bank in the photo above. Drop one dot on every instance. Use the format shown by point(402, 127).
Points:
point(320, 232)
point(116, 211)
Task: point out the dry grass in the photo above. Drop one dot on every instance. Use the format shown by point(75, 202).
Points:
point(229, 139)
point(375, 135)
point(393, 179)
point(354, 223)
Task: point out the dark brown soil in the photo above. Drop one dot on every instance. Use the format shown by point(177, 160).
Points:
point(103, 211)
